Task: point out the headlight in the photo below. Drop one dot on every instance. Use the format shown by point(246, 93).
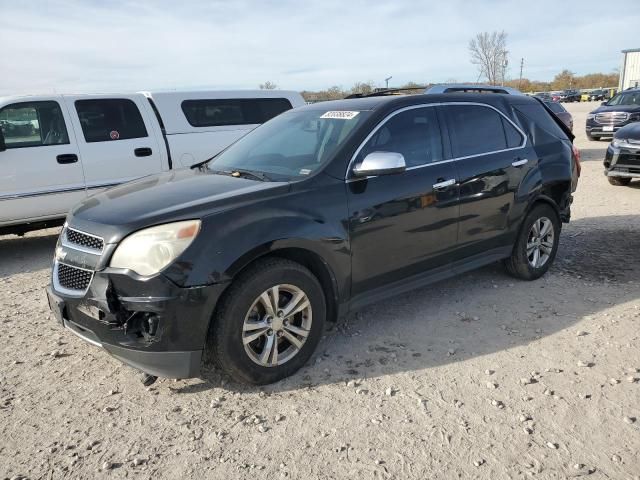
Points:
point(591, 116)
point(150, 250)
point(620, 142)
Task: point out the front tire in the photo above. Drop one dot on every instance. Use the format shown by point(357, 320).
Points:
point(536, 245)
point(619, 181)
point(269, 322)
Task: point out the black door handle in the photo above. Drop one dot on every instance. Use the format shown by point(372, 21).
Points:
point(67, 158)
point(143, 152)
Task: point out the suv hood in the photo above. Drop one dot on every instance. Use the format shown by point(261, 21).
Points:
point(617, 108)
point(631, 131)
point(165, 197)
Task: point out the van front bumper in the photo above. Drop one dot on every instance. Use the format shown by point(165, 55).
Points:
point(150, 324)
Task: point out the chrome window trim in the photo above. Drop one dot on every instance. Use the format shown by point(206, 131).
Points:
point(68, 291)
point(80, 248)
point(349, 179)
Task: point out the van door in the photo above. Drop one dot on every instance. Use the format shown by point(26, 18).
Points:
point(116, 139)
point(491, 162)
point(41, 176)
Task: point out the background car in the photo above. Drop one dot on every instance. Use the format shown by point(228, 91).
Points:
point(561, 113)
point(598, 95)
point(611, 116)
point(568, 96)
point(622, 160)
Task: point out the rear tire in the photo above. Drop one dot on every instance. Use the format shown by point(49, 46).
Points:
point(540, 232)
point(619, 181)
point(251, 338)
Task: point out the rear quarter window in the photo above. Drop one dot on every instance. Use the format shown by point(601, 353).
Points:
point(233, 111)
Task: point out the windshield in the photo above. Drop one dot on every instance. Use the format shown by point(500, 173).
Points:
point(625, 98)
point(293, 144)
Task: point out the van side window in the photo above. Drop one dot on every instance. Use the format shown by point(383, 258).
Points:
point(105, 120)
point(33, 124)
point(475, 130)
point(233, 111)
point(414, 133)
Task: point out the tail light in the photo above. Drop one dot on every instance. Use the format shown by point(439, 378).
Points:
point(576, 158)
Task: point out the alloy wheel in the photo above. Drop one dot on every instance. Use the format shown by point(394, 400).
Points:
point(277, 325)
point(540, 242)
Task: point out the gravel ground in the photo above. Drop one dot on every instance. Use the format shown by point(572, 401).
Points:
point(481, 376)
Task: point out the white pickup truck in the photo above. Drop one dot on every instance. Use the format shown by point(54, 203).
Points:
point(56, 150)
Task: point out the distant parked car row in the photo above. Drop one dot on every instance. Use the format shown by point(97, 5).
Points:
point(572, 95)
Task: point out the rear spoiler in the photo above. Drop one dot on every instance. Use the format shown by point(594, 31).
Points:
point(560, 123)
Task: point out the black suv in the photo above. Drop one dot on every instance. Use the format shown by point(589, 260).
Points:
point(320, 211)
point(622, 109)
point(622, 160)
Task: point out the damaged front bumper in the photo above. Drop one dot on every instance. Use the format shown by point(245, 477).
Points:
point(149, 323)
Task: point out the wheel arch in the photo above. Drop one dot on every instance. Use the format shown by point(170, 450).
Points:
point(305, 256)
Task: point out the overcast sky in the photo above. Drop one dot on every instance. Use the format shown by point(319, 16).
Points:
point(92, 45)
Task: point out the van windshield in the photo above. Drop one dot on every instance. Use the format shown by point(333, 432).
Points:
point(291, 145)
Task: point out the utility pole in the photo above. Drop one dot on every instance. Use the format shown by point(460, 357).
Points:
point(505, 62)
point(521, 65)
point(386, 80)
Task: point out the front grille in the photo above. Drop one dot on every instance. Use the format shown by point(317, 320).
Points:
point(628, 159)
point(611, 118)
point(85, 240)
point(73, 278)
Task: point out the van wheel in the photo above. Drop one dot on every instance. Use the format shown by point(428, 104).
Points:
point(619, 181)
point(537, 244)
point(269, 322)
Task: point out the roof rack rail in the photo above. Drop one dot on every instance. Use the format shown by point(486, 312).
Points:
point(386, 91)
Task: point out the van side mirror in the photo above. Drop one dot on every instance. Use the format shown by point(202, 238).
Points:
point(3, 146)
point(603, 103)
point(380, 163)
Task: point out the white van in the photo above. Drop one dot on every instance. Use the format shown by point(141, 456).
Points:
point(56, 150)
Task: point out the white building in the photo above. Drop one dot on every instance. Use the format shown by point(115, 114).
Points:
point(630, 71)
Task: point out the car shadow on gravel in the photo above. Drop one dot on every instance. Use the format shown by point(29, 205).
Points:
point(437, 325)
point(27, 254)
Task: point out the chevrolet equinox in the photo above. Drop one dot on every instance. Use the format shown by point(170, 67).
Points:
point(241, 260)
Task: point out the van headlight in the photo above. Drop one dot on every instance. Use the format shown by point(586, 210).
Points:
point(148, 251)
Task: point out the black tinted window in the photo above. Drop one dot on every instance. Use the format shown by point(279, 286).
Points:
point(240, 111)
point(475, 129)
point(33, 124)
point(105, 120)
point(414, 133)
point(513, 136)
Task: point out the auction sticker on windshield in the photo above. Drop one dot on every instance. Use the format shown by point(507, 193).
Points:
point(341, 114)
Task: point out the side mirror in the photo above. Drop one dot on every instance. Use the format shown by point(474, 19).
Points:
point(3, 146)
point(603, 103)
point(380, 163)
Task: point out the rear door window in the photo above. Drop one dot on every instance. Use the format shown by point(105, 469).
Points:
point(475, 130)
point(33, 124)
point(233, 111)
point(106, 120)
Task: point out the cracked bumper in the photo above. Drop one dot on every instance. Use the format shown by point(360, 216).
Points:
point(148, 323)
